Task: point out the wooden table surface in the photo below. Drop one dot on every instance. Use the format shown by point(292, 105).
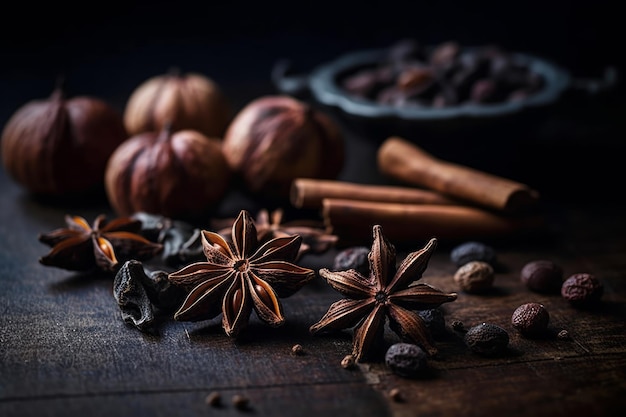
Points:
point(64, 349)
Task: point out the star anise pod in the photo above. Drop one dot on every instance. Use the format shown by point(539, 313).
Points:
point(104, 245)
point(315, 239)
point(240, 276)
point(387, 293)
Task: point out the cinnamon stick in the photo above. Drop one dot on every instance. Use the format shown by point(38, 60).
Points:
point(309, 193)
point(405, 161)
point(404, 223)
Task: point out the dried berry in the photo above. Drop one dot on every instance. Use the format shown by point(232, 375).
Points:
point(240, 402)
point(406, 359)
point(473, 76)
point(473, 251)
point(214, 399)
point(582, 290)
point(531, 319)
point(435, 321)
point(475, 277)
point(353, 258)
point(487, 339)
point(542, 276)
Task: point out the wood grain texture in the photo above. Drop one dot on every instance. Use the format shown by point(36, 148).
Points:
point(64, 349)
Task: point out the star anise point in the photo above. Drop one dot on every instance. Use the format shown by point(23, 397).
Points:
point(240, 275)
point(104, 245)
point(387, 294)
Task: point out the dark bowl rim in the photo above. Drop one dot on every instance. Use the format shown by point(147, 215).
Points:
point(323, 85)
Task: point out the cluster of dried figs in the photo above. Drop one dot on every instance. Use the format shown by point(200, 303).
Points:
point(413, 75)
point(175, 149)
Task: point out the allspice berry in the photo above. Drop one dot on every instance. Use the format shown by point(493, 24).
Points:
point(473, 251)
point(487, 339)
point(543, 276)
point(475, 277)
point(582, 290)
point(406, 359)
point(531, 319)
point(434, 320)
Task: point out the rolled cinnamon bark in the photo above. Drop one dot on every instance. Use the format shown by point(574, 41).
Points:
point(403, 223)
point(309, 193)
point(407, 162)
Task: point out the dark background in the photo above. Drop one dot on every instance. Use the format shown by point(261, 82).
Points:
point(107, 49)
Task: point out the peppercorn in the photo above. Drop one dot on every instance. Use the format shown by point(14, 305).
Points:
point(475, 277)
point(582, 290)
point(434, 320)
point(406, 359)
point(542, 276)
point(531, 319)
point(473, 251)
point(487, 339)
point(353, 258)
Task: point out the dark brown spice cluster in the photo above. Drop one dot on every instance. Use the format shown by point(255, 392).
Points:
point(412, 75)
point(240, 276)
point(104, 245)
point(386, 293)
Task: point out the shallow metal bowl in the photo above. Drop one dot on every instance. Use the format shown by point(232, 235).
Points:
point(324, 84)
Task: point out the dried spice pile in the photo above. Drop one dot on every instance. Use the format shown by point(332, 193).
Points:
point(206, 274)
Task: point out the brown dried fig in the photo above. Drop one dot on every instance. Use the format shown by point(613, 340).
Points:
point(275, 139)
point(185, 101)
point(179, 175)
point(58, 146)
